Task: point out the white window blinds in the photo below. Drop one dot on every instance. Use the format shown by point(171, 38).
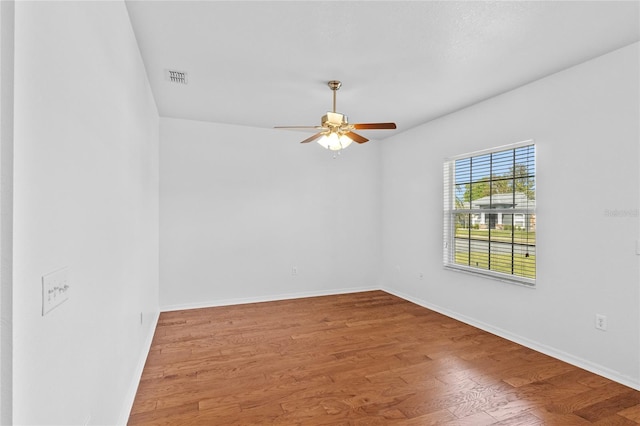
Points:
point(489, 213)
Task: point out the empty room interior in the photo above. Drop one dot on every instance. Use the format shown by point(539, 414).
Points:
point(455, 241)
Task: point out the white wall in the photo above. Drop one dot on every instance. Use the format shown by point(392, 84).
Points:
point(240, 207)
point(6, 208)
point(585, 123)
point(86, 198)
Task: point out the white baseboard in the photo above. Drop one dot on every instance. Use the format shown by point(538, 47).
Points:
point(265, 298)
point(547, 350)
point(135, 379)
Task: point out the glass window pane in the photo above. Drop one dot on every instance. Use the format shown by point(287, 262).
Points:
point(481, 168)
point(501, 257)
point(463, 171)
point(524, 261)
point(462, 196)
point(502, 163)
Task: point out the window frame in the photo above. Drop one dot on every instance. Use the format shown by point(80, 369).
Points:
point(451, 210)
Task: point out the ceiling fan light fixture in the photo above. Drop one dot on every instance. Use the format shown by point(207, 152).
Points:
point(345, 141)
point(334, 142)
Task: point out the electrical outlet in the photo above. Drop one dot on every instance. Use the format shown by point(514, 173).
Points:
point(55, 289)
point(601, 322)
point(294, 271)
point(421, 275)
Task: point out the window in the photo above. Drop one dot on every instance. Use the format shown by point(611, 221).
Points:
point(489, 213)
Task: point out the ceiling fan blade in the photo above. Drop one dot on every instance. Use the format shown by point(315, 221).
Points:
point(313, 138)
point(374, 126)
point(356, 137)
point(297, 127)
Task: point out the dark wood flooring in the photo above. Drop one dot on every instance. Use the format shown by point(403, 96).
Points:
point(359, 359)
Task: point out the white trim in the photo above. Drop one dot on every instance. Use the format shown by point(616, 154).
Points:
point(266, 298)
point(492, 150)
point(450, 210)
point(506, 278)
point(531, 344)
point(137, 375)
point(501, 210)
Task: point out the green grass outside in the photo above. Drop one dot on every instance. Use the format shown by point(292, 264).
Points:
point(499, 235)
point(523, 266)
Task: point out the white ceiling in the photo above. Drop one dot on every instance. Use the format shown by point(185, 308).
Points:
point(267, 63)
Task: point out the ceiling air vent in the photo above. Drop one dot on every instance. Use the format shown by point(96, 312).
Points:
point(173, 76)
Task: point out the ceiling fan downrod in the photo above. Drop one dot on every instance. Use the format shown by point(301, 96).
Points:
point(334, 85)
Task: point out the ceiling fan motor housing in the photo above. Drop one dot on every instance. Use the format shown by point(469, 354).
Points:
point(334, 119)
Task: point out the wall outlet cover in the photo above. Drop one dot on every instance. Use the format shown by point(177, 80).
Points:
point(601, 322)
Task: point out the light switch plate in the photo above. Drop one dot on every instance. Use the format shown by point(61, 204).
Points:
point(55, 289)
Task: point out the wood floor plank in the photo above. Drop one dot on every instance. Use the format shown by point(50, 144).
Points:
point(477, 419)
point(614, 420)
point(365, 358)
point(632, 413)
point(523, 419)
point(573, 403)
point(560, 419)
point(609, 406)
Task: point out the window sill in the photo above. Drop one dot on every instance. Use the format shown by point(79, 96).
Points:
point(509, 279)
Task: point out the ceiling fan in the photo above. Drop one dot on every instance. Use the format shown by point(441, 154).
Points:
point(335, 132)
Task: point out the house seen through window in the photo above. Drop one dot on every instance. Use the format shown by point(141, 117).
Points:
point(489, 217)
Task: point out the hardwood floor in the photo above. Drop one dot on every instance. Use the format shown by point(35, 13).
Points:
point(359, 359)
